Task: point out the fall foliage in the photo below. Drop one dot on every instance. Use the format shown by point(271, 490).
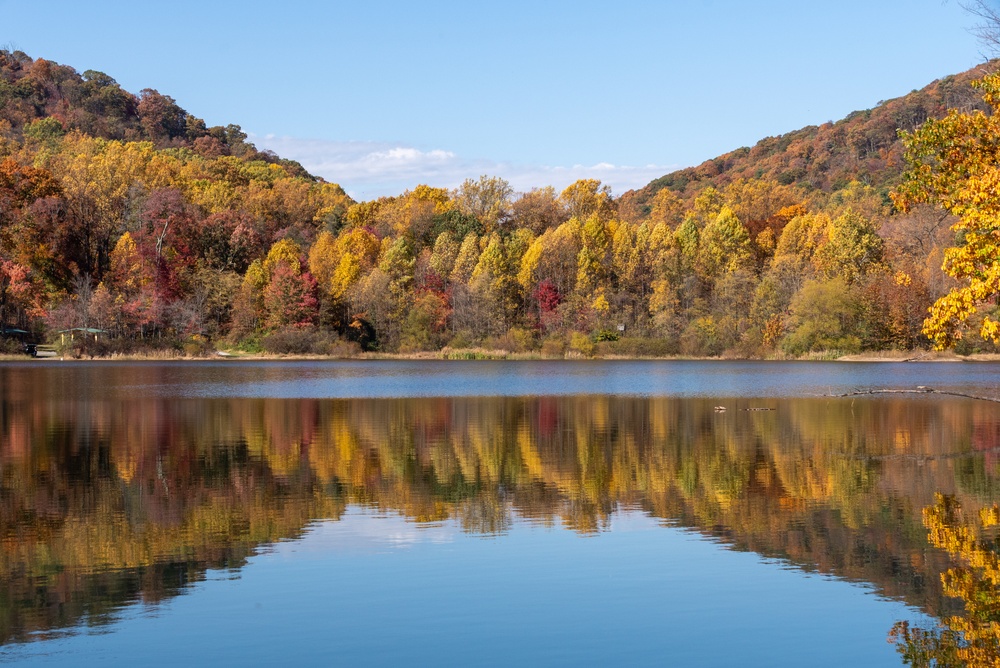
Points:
point(127, 214)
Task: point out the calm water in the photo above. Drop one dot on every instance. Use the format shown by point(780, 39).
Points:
point(486, 513)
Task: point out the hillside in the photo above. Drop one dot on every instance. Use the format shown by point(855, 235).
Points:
point(127, 215)
point(863, 147)
point(34, 90)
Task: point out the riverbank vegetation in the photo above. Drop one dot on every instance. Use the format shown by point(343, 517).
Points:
point(128, 225)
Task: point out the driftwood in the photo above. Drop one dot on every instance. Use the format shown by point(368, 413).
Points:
point(919, 390)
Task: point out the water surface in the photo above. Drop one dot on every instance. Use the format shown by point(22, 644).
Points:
point(440, 378)
point(487, 513)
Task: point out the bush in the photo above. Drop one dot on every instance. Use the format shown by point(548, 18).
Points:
point(581, 343)
point(638, 347)
point(701, 338)
point(554, 346)
point(606, 335)
point(250, 344)
point(197, 346)
point(516, 340)
point(307, 341)
point(462, 339)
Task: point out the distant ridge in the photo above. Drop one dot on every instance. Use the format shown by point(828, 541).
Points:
point(864, 147)
point(33, 90)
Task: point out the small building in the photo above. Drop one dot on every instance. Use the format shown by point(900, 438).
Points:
point(81, 331)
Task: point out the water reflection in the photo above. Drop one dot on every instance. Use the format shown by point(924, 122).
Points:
point(971, 638)
point(104, 502)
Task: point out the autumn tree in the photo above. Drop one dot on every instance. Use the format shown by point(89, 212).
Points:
point(823, 314)
point(487, 199)
point(725, 244)
point(852, 247)
point(290, 298)
point(538, 210)
point(666, 208)
point(587, 197)
point(20, 294)
point(953, 163)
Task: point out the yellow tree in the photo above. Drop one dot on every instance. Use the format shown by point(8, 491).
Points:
point(725, 244)
point(445, 252)
point(953, 162)
point(467, 259)
point(102, 180)
point(666, 208)
point(630, 265)
point(852, 249)
point(323, 259)
point(286, 252)
point(362, 244)
point(488, 199)
point(592, 261)
point(347, 273)
point(587, 197)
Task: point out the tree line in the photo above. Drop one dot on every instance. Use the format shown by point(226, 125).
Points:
point(127, 215)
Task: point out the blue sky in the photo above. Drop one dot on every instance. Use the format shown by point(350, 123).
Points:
point(382, 96)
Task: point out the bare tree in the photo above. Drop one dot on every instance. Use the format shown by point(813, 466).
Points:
point(988, 28)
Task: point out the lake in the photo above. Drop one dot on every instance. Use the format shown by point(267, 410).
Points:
point(490, 513)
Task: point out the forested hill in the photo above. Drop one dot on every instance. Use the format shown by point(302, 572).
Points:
point(128, 217)
point(863, 147)
point(40, 97)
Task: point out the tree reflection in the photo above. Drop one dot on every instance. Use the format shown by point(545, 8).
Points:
point(973, 637)
point(103, 503)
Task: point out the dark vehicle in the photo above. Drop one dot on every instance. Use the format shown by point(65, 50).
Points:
point(31, 349)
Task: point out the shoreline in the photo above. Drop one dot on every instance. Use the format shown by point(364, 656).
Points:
point(478, 354)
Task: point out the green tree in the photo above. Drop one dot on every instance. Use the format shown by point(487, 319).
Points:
point(853, 247)
point(823, 315)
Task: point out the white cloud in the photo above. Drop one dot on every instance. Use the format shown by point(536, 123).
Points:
point(362, 530)
point(371, 169)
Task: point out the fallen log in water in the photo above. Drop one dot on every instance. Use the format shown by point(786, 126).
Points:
point(921, 389)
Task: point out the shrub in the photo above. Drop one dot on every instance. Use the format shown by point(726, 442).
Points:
point(606, 335)
point(307, 341)
point(581, 343)
point(516, 340)
point(701, 338)
point(638, 347)
point(462, 339)
point(554, 346)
